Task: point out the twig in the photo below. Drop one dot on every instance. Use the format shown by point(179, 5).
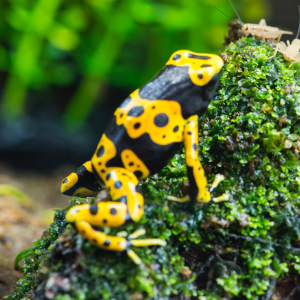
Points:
point(201, 270)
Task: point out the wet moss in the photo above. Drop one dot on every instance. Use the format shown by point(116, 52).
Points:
point(245, 248)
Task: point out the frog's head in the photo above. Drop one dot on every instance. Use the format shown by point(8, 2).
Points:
point(81, 183)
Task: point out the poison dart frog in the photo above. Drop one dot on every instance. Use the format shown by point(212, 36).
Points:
point(142, 137)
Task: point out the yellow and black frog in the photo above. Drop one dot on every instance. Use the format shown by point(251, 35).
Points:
point(143, 135)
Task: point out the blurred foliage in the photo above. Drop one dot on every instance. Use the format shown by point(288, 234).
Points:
point(79, 46)
point(6, 189)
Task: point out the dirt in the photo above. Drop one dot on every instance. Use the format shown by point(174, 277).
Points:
point(44, 188)
point(22, 222)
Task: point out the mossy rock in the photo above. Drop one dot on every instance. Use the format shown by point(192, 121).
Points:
point(245, 248)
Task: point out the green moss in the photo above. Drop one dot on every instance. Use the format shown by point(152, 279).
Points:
point(238, 249)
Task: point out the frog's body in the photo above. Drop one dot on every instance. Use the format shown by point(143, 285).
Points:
point(144, 134)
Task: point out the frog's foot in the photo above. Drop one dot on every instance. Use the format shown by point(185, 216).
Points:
point(116, 243)
point(177, 199)
point(224, 197)
point(219, 178)
point(205, 196)
point(141, 243)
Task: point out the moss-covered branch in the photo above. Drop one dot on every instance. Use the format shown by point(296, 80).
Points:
point(241, 249)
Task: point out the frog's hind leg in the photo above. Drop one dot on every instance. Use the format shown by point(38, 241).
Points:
point(127, 204)
point(82, 182)
point(114, 243)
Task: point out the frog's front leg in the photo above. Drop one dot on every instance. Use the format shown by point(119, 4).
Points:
point(127, 204)
point(111, 214)
point(82, 182)
point(196, 175)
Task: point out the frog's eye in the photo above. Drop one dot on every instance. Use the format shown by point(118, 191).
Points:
point(200, 75)
point(247, 28)
point(176, 57)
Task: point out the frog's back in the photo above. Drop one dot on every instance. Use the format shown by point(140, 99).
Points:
point(147, 128)
point(141, 155)
point(142, 136)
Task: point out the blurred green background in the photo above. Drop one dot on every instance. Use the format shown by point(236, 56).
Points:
point(77, 47)
point(72, 62)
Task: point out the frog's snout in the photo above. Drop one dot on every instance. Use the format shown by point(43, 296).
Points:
point(68, 183)
point(63, 188)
